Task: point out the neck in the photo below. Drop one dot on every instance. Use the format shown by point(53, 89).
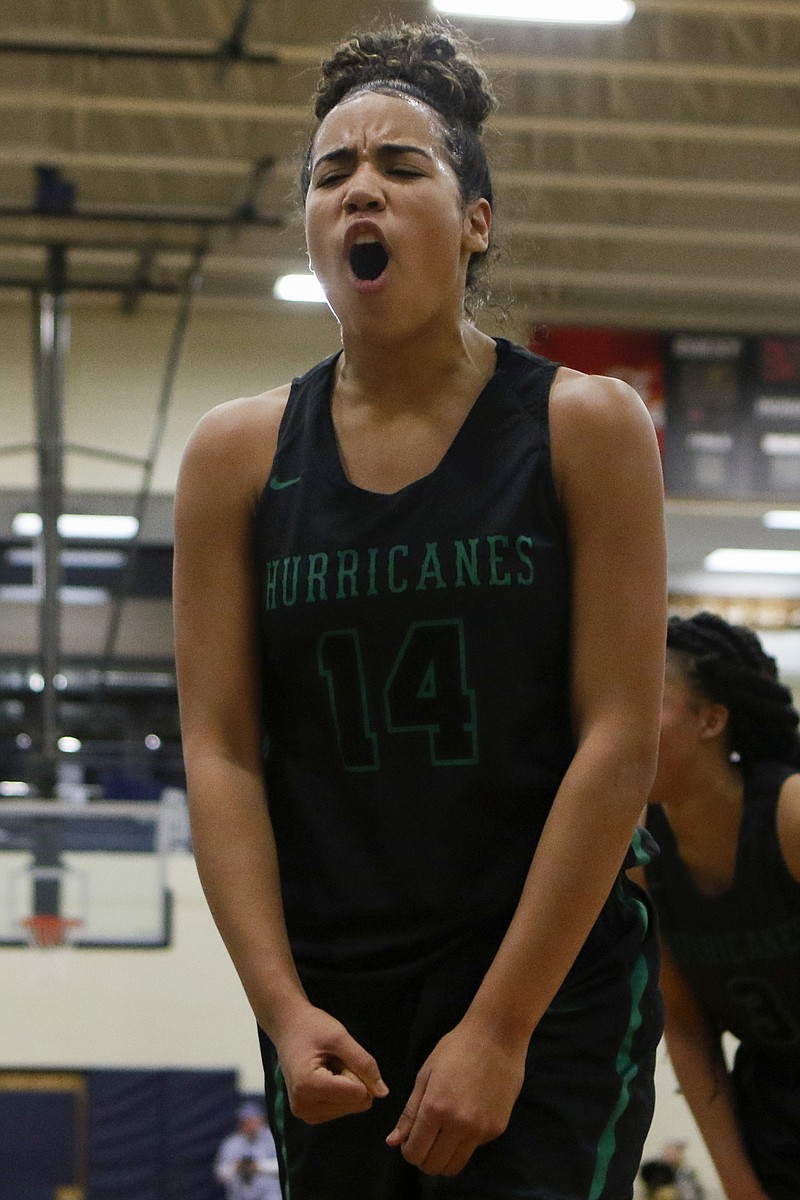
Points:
point(409, 372)
point(704, 810)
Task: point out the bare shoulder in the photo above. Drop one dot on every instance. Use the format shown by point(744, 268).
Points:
point(236, 423)
point(599, 424)
point(593, 403)
point(788, 819)
point(233, 444)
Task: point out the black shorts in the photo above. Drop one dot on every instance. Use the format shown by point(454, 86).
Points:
point(768, 1109)
point(577, 1128)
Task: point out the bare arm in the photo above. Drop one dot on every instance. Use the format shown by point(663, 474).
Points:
point(789, 824)
point(696, 1054)
point(216, 648)
point(607, 467)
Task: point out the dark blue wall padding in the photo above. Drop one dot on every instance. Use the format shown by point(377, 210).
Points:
point(37, 1144)
point(153, 1135)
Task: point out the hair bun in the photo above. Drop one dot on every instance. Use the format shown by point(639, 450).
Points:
point(433, 59)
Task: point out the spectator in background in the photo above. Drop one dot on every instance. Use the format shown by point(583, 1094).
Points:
point(687, 1184)
point(245, 1162)
point(658, 1178)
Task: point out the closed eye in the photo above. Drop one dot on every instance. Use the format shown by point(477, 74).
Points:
point(330, 180)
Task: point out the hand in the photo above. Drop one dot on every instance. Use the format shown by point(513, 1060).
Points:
point(327, 1073)
point(246, 1169)
point(463, 1097)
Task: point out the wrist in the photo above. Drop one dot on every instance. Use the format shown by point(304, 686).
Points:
point(278, 1006)
point(497, 1027)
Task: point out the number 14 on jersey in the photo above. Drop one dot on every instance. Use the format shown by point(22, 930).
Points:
point(426, 693)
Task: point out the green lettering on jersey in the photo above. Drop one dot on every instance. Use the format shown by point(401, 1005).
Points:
point(271, 584)
point(496, 560)
point(431, 568)
point(317, 568)
point(467, 560)
point(290, 592)
point(522, 544)
point(348, 566)
point(394, 586)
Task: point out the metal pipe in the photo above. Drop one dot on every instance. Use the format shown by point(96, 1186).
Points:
point(200, 218)
point(17, 283)
point(51, 342)
point(121, 49)
point(192, 283)
point(128, 460)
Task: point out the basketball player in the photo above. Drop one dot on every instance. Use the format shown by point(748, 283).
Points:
point(725, 811)
point(416, 743)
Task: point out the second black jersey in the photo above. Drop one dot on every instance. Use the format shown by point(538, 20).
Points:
point(739, 951)
point(415, 662)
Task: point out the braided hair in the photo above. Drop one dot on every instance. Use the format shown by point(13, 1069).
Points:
point(729, 666)
point(431, 63)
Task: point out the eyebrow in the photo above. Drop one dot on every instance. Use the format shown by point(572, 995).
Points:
point(387, 150)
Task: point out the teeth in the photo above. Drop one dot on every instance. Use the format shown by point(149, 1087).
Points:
point(364, 239)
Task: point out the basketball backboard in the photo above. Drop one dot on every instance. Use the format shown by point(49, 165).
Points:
point(95, 872)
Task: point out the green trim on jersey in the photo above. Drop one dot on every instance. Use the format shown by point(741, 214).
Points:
point(642, 855)
point(626, 1068)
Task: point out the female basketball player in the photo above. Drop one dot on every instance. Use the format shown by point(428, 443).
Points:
point(416, 744)
point(725, 811)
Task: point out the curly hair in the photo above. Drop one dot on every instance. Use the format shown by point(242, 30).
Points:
point(728, 665)
point(432, 63)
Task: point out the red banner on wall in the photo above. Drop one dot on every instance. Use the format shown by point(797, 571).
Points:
point(628, 354)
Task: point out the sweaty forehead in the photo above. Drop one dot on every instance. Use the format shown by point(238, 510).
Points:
point(370, 118)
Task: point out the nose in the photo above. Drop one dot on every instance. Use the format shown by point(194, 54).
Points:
point(364, 192)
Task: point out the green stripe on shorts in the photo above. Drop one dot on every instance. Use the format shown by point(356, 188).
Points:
point(280, 1121)
point(626, 1068)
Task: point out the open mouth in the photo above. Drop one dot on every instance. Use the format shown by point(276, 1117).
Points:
point(368, 260)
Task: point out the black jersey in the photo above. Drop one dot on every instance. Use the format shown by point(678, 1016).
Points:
point(739, 951)
point(415, 664)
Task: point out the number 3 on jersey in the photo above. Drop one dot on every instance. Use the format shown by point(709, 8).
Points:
point(426, 693)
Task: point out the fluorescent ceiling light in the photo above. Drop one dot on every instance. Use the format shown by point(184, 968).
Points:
point(80, 525)
point(14, 787)
point(105, 560)
point(23, 593)
point(27, 525)
point(299, 289)
point(782, 518)
point(577, 12)
point(778, 444)
point(89, 525)
point(756, 562)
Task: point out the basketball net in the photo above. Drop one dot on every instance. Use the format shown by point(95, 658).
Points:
point(48, 931)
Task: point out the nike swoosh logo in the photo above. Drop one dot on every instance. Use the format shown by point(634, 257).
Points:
point(278, 485)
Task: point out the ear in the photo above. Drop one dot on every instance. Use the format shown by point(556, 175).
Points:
point(714, 720)
point(477, 224)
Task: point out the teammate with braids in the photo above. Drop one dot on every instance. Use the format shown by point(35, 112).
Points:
point(725, 811)
point(416, 750)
